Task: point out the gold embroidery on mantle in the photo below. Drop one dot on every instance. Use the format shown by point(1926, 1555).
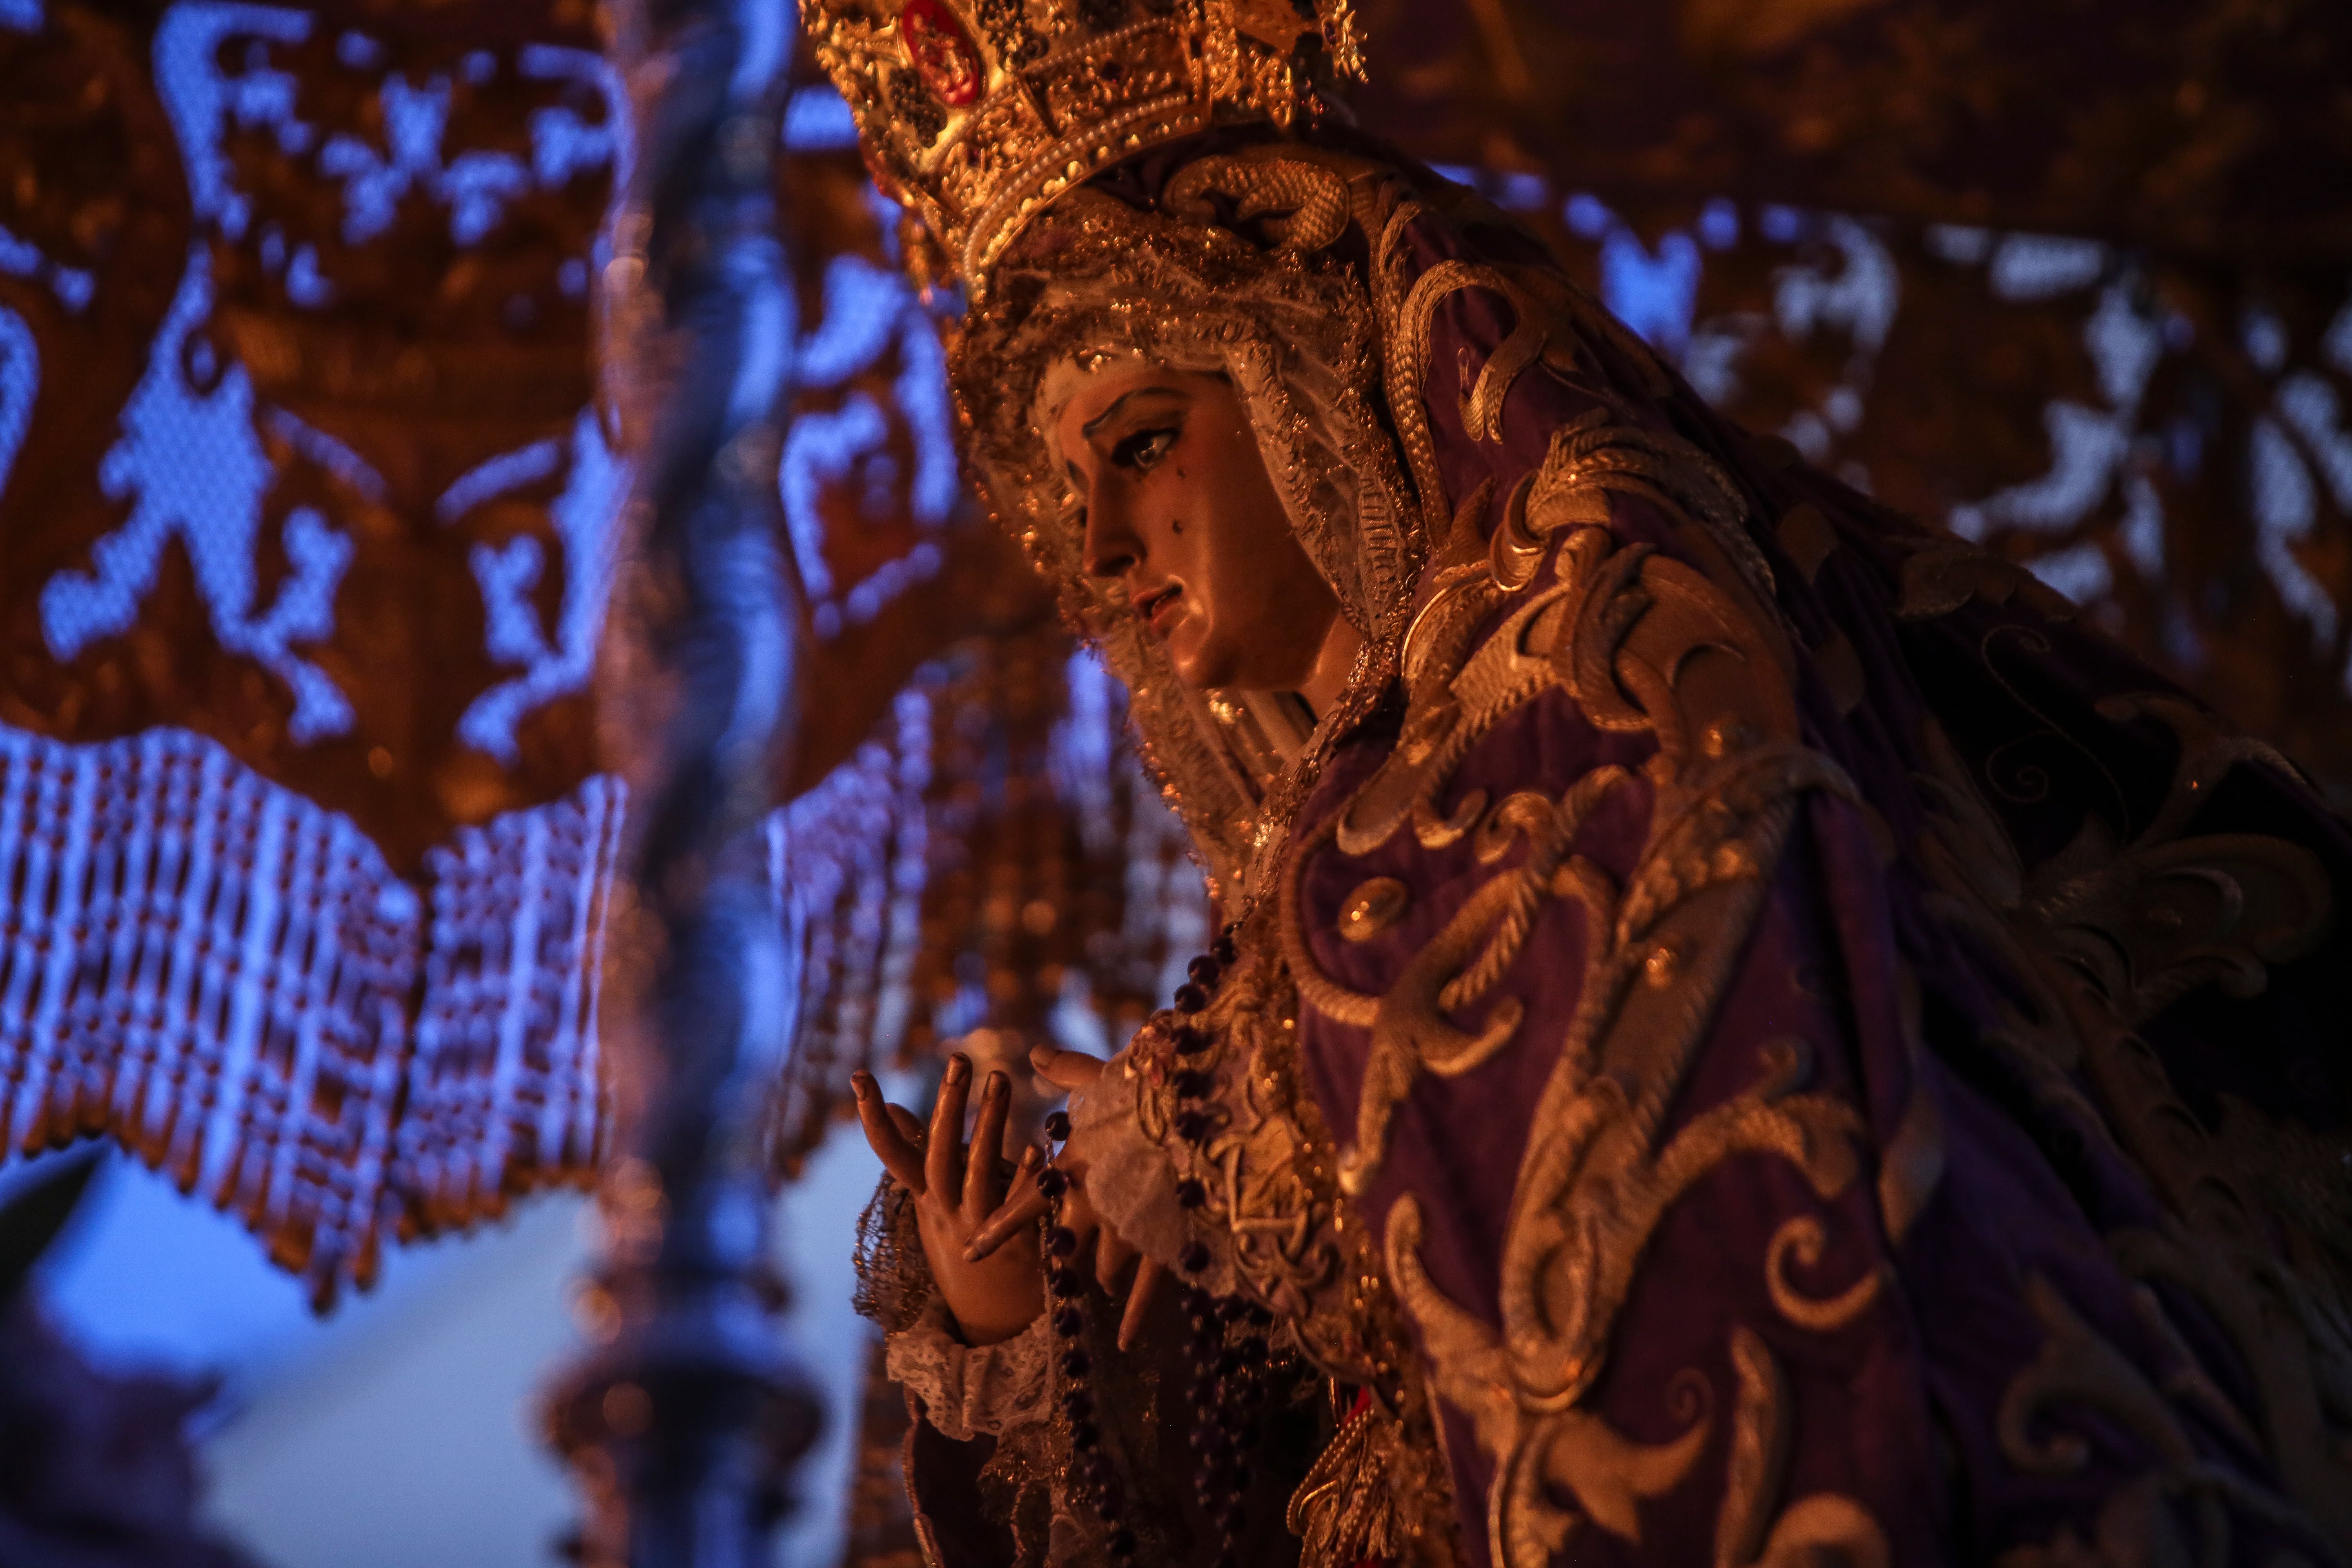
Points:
point(1642, 643)
point(2152, 921)
point(1341, 1512)
point(1912, 1164)
point(1522, 813)
point(1823, 1528)
point(1431, 832)
point(1597, 1179)
point(1455, 971)
point(2296, 1365)
point(1373, 908)
point(1941, 573)
point(1441, 727)
point(1609, 1472)
point(2079, 1369)
point(1759, 1450)
point(1803, 1238)
point(1592, 457)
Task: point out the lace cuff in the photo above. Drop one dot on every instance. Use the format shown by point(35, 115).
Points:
point(1129, 1176)
point(970, 1391)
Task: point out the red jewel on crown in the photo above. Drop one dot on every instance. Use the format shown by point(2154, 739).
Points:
point(942, 52)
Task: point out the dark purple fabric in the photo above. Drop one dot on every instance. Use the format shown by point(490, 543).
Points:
point(1897, 1410)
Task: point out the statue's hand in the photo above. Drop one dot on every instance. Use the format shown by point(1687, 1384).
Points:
point(1074, 1070)
point(956, 1191)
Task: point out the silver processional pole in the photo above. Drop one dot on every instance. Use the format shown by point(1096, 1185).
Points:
point(683, 1423)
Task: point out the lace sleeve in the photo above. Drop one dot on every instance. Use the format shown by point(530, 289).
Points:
point(966, 1390)
point(1131, 1179)
point(971, 1390)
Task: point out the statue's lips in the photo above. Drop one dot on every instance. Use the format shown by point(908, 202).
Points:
point(1159, 607)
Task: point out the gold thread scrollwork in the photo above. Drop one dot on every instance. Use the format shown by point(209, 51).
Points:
point(1820, 1529)
point(1522, 814)
point(1941, 573)
point(2078, 1368)
point(1802, 1239)
point(1373, 908)
point(1592, 457)
point(2298, 1377)
point(1458, 968)
point(1409, 1035)
point(2101, 937)
point(1826, 1530)
point(1609, 1474)
point(1596, 1178)
point(1523, 1387)
point(1439, 728)
point(1759, 1450)
point(1642, 643)
point(1911, 1165)
point(1434, 832)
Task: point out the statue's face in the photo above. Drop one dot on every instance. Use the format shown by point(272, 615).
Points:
point(1179, 506)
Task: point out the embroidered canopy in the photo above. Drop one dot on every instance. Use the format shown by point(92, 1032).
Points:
point(307, 499)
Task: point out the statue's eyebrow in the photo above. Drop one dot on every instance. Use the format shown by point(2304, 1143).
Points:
point(1108, 415)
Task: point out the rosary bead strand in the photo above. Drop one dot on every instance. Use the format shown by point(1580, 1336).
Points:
point(1074, 1368)
point(1226, 1342)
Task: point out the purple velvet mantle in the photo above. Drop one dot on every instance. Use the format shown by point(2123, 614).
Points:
point(1900, 1409)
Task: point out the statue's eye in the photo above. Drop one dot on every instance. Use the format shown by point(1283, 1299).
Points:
point(1141, 450)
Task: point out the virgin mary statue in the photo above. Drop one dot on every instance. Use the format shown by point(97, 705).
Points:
point(1748, 1032)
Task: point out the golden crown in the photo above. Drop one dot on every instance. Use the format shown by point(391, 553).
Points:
point(978, 113)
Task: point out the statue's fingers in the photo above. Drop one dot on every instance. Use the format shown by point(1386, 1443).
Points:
point(1019, 1212)
point(885, 1134)
point(1023, 1175)
point(1139, 1303)
point(1065, 1069)
point(1112, 1254)
point(942, 1160)
point(909, 1126)
point(983, 1178)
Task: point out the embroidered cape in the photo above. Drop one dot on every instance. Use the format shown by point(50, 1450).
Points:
point(1757, 1035)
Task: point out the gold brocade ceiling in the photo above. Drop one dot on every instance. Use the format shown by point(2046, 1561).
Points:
point(386, 364)
point(2220, 130)
point(302, 452)
point(2201, 139)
